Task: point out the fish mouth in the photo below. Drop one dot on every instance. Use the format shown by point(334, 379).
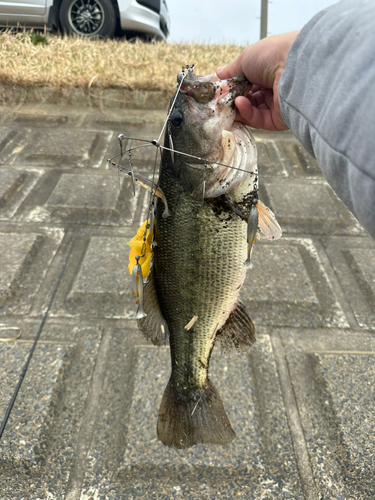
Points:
point(205, 88)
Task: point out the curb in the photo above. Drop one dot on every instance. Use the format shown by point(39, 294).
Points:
point(13, 95)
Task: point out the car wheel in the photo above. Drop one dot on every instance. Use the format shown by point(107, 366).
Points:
point(88, 18)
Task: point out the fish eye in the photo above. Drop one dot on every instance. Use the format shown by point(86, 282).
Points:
point(177, 118)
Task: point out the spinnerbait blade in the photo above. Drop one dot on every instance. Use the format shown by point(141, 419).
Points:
point(138, 289)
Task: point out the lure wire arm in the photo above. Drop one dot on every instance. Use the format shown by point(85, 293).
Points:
point(172, 105)
point(211, 162)
point(159, 146)
point(131, 170)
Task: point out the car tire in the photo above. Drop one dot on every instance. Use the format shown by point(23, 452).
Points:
point(88, 18)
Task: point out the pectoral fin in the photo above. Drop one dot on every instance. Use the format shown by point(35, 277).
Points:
point(238, 333)
point(268, 223)
point(153, 326)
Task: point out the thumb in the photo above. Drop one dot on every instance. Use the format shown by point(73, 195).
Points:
point(231, 70)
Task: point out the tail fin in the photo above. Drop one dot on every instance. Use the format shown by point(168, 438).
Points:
point(198, 418)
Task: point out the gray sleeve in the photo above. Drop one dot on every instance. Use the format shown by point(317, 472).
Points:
point(327, 98)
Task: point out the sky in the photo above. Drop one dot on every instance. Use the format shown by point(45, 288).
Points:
point(237, 21)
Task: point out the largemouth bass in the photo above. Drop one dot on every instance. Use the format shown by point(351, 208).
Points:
point(200, 253)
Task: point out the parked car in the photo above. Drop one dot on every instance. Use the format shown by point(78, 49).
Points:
point(89, 18)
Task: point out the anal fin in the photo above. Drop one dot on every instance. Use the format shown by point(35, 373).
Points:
point(153, 326)
point(238, 333)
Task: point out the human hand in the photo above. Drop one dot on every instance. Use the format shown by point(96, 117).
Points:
point(263, 64)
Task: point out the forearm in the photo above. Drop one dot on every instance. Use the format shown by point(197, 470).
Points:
point(327, 98)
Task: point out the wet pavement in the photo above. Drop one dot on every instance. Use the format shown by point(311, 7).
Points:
point(84, 423)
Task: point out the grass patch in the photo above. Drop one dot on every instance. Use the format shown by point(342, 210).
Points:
point(59, 61)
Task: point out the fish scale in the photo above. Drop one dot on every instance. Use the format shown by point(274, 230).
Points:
point(197, 273)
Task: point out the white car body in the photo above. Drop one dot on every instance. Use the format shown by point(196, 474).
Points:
point(39, 13)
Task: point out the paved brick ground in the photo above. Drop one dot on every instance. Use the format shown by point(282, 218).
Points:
point(84, 424)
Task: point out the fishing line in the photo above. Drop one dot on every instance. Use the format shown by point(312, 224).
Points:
point(173, 103)
point(25, 368)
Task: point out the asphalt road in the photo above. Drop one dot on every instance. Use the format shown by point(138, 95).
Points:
point(84, 422)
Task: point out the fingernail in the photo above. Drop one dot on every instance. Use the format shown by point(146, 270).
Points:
point(220, 68)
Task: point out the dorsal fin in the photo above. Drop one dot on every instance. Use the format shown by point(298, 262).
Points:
point(238, 333)
point(153, 326)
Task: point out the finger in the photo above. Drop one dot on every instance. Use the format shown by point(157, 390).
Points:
point(251, 99)
point(255, 88)
point(259, 97)
point(253, 116)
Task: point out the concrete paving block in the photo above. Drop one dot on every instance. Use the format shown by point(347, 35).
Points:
point(288, 286)
point(15, 185)
point(9, 140)
point(128, 122)
point(96, 199)
point(269, 162)
point(78, 191)
point(38, 120)
point(354, 264)
point(287, 154)
point(298, 160)
point(81, 198)
point(310, 207)
point(40, 439)
point(122, 99)
point(26, 428)
point(14, 251)
point(25, 258)
point(101, 285)
point(260, 462)
point(333, 383)
point(12, 358)
point(64, 148)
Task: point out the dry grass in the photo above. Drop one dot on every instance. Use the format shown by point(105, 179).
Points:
point(73, 62)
